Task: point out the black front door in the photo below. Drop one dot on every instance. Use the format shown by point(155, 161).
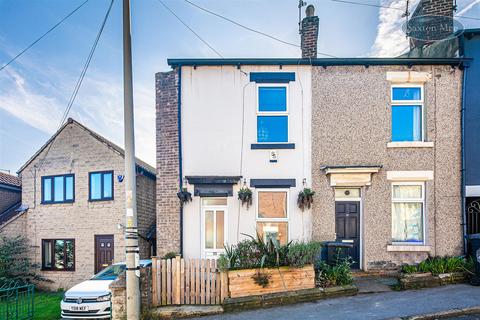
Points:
point(347, 227)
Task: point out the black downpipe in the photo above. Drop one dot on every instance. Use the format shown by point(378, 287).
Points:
point(180, 152)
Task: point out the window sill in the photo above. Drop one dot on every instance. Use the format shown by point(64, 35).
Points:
point(100, 200)
point(408, 248)
point(57, 270)
point(58, 202)
point(410, 144)
point(263, 146)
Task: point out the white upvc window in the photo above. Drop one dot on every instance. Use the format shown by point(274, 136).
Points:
point(272, 214)
point(214, 226)
point(407, 109)
point(408, 212)
point(272, 113)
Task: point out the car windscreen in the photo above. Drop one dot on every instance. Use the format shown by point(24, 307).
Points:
point(110, 273)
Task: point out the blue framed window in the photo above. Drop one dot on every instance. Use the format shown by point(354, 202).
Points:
point(100, 185)
point(58, 189)
point(272, 114)
point(407, 113)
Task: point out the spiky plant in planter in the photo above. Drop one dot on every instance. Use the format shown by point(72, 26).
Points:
point(245, 196)
point(305, 198)
point(184, 196)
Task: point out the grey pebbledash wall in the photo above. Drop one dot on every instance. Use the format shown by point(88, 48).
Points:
point(351, 125)
point(168, 159)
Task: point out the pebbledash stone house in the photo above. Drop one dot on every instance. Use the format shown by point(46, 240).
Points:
point(377, 139)
point(74, 191)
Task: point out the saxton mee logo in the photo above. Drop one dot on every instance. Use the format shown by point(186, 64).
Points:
point(432, 28)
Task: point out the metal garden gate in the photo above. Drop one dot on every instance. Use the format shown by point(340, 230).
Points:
point(16, 301)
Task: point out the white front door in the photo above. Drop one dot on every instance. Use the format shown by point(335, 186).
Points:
point(214, 227)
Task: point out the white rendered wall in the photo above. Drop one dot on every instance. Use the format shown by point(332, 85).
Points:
point(213, 98)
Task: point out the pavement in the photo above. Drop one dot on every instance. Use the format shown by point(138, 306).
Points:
point(383, 305)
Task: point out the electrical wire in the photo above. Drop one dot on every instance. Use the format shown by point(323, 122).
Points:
point(386, 7)
point(80, 79)
point(248, 28)
point(43, 35)
point(189, 28)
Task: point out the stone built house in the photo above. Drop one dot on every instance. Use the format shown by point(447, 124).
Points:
point(377, 139)
point(74, 190)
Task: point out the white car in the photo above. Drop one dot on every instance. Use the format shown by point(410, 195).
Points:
point(91, 298)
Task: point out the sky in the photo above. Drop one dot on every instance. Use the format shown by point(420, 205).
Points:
point(35, 89)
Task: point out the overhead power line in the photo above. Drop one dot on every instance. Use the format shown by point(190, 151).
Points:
point(81, 77)
point(43, 35)
point(189, 28)
point(387, 7)
point(250, 29)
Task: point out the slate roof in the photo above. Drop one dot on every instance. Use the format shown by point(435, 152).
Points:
point(142, 164)
point(8, 179)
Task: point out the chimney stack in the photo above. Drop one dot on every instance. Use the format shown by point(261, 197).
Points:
point(309, 34)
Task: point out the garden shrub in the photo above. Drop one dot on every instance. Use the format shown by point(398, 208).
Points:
point(14, 262)
point(170, 255)
point(259, 253)
point(439, 265)
point(338, 274)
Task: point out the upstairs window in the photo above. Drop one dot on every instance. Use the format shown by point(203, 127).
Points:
point(101, 186)
point(407, 113)
point(58, 254)
point(272, 114)
point(58, 189)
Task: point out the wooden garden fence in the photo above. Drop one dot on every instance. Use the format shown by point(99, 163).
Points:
point(179, 281)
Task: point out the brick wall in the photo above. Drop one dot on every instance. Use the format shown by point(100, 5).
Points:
point(168, 205)
point(435, 7)
point(309, 36)
point(8, 198)
point(145, 211)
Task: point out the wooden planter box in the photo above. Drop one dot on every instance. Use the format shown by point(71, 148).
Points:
point(241, 284)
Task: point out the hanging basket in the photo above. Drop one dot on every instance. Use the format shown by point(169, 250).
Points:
point(245, 196)
point(305, 198)
point(184, 196)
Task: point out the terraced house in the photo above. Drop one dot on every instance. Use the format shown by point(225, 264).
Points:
point(73, 191)
point(377, 139)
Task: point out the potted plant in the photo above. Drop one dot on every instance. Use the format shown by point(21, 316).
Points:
point(184, 196)
point(305, 198)
point(245, 196)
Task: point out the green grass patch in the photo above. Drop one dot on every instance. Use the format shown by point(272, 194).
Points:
point(47, 305)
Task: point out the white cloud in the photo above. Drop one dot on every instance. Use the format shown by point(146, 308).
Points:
point(99, 105)
point(391, 40)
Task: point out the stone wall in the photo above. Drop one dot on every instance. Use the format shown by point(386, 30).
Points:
point(75, 150)
point(17, 226)
point(145, 211)
point(168, 160)
point(119, 294)
point(352, 126)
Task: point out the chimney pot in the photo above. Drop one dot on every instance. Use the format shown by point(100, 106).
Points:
point(310, 11)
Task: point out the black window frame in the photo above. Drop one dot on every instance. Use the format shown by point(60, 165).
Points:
point(102, 198)
point(52, 187)
point(52, 253)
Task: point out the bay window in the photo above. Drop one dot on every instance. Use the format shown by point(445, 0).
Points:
point(272, 215)
point(408, 212)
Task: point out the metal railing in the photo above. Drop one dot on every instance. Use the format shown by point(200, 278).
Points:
point(16, 300)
